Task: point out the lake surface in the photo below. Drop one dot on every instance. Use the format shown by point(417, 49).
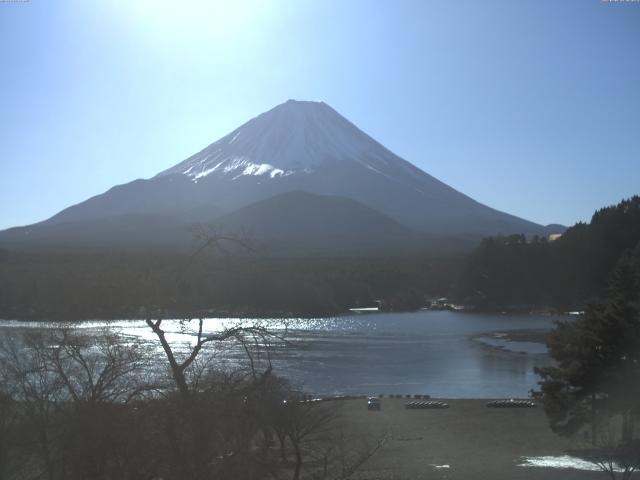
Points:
point(440, 353)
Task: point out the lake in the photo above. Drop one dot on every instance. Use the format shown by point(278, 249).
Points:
point(441, 353)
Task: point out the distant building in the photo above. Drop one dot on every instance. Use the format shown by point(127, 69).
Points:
point(554, 236)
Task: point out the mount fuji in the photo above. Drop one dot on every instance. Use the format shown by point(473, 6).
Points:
point(299, 177)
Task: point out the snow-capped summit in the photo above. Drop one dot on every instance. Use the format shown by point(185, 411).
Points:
point(292, 138)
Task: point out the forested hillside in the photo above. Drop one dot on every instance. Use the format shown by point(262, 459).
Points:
point(125, 285)
point(514, 271)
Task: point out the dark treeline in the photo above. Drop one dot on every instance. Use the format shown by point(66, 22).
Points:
point(503, 272)
point(100, 285)
point(565, 273)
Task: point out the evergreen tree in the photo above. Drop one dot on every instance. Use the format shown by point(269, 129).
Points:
point(597, 375)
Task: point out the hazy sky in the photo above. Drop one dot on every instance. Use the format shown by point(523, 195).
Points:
point(531, 107)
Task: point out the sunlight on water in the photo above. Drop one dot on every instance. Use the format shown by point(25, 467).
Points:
point(444, 354)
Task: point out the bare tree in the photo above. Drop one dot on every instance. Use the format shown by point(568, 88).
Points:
point(311, 432)
point(8, 412)
point(25, 368)
point(71, 391)
point(241, 334)
point(345, 456)
point(197, 431)
point(95, 369)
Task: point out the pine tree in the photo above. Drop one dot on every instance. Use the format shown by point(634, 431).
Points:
point(597, 371)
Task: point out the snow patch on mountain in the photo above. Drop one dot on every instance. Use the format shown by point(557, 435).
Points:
point(294, 137)
point(234, 165)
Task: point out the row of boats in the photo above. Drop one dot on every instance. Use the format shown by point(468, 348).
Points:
point(507, 403)
point(425, 405)
point(511, 403)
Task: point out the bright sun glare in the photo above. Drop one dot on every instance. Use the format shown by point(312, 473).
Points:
point(200, 18)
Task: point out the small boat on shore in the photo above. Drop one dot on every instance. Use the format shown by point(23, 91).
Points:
point(511, 403)
point(425, 405)
point(365, 310)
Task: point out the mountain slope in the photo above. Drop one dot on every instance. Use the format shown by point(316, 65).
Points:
point(129, 232)
point(301, 222)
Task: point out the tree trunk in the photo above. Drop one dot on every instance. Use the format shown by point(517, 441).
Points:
point(593, 420)
point(176, 370)
point(296, 473)
point(627, 427)
point(3, 459)
point(281, 440)
point(181, 462)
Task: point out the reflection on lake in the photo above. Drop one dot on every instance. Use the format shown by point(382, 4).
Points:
point(441, 353)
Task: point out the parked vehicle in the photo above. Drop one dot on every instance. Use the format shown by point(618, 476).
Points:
point(373, 403)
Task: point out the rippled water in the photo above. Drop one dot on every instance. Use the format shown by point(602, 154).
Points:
point(441, 353)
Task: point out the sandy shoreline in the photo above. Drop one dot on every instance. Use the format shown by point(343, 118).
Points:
point(466, 441)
